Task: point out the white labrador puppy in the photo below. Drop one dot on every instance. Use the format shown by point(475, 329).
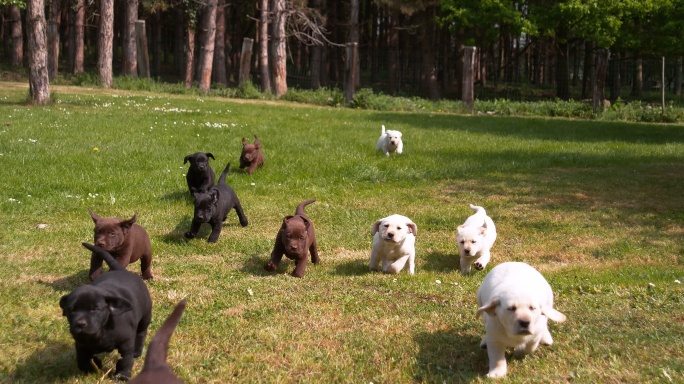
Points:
point(516, 303)
point(390, 142)
point(475, 239)
point(394, 239)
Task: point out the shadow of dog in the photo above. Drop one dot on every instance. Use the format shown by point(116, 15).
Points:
point(68, 283)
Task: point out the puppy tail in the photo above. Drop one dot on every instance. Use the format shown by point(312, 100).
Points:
point(478, 209)
point(159, 346)
point(106, 256)
point(300, 207)
point(383, 129)
point(222, 179)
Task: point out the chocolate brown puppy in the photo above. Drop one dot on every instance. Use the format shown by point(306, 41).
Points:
point(156, 370)
point(200, 176)
point(251, 157)
point(296, 239)
point(112, 312)
point(126, 241)
point(213, 206)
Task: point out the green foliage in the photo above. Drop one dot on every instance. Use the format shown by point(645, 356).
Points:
point(331, 97)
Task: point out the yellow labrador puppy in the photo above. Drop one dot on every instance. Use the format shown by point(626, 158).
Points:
point(516, 303)
point(394, 239)
point(475, 239)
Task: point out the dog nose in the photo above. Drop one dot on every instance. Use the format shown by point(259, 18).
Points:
point(80, 324)
point(524, 324)
point(390, 235)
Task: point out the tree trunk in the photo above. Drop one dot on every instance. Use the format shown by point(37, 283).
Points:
point(105, 43)
point(638, 76)
point(219, 67)
point(178, 59)
point(263, 47)
point(77, 52)
point(354, 37)
point(53, 39)
point(17, 53)
point(39, 83)
point(130, 54)
point(588, 71)
point(157, 41)
point(429, 70)
point(189, 55)
point(678, 77)
point(615, 79)
point(562, 71)
point(392, 54)
point(206, 58)
point(280, 53)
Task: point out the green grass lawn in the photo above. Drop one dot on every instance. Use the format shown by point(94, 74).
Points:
point(597, 207)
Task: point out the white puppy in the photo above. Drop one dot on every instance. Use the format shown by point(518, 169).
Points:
point(390, 142)
point(516, 302)
point(394, 239)
point(475, 239)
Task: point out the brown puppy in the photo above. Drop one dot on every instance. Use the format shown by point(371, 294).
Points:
point(124, 240)
point(156, 370)
point(295, 239)
point(251, 156)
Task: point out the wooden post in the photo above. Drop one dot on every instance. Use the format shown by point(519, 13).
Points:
point(141, 47)
point(245, 60)
point(468, 93)
point(350, 72)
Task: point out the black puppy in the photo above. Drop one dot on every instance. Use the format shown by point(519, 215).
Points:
point(200, 176)
point(156, 370)
point(213, 206)
point(112, 312)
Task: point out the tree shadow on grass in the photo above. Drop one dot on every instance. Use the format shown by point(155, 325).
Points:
point(68, 283)
point(451, 356)
point(55, 362)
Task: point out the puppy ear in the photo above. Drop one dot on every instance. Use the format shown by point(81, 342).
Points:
point(95, 217)
point(553, 314)
point(187, 158)
point(127, 224)
point(460, 228)
point(483, 229)
point(413, 228)
point(490, 308)
point(257, 143)
point(118, 305)
point(63, 303)
point(214, 196)
point(210, 155)
point(376, 227)
point(306, 221)
point(244, 142)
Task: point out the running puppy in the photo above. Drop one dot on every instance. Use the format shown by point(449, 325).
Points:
point(296, 239)
point(125, 240)
point(251, 157)
point(156, 370)
point(475, 239)
point(213, 206)
point(200, 176)
point(390, 142)
point(394, 239)
point(112, 312)
point(516, 303)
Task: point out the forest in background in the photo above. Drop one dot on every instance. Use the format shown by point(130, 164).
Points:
point(535, 49)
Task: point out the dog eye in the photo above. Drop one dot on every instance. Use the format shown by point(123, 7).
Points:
point(386, 225)
point(512, 308)
point(532, 308)
point(462, 241)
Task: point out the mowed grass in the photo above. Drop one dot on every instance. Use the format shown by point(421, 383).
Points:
point(598, 208)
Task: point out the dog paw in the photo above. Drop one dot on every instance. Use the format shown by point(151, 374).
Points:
point(189, 235)
point(478, 266)
point(122, 376)
point(270, 266)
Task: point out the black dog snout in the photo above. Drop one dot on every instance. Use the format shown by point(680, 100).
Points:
point(523, 323)
point(390, 235)
point(80, 324)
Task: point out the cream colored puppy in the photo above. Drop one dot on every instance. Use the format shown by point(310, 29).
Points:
point(516, 303)
point(394, 239)
point(475, 239)
point(390, 142)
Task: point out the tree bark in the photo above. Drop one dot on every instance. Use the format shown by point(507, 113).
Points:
point(354, 37)
point(77, 55)
point(105, 43)
point(637, 89)
point(208, 27)
point(392, 54)
point(219, 67)
point(130, 53)
point(39, 83)
point(429, 71)
point(17, 53)
point(189, 55)
point(263, 47)
point(53, 39)
point(280, 54)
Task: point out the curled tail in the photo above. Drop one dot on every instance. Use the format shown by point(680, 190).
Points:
point(159, 346)
point(300, 207)
point(383, 129)
point(106, 256)
point(478, 209)
point(222, 179)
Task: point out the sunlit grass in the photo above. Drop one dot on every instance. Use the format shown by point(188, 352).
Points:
point(598, 207)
